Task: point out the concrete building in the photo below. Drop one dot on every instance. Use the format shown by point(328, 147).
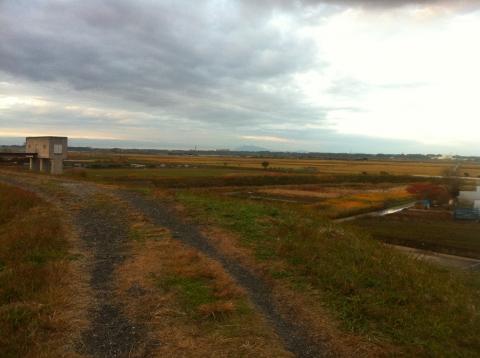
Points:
point(49, 153)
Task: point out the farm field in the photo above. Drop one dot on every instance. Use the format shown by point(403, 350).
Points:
point(441, 234)
point(345, 287)
point(334, 201)
point(395, 167)
point(125, 174)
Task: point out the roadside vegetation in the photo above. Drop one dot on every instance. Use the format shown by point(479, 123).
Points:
point(33, 252)
point(373, 291)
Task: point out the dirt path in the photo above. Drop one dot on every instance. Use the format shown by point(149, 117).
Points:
point(103, 227)
point(111, 334)
point(293, 334)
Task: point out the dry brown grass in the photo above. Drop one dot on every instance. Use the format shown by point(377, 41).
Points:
point(42, 286)
point(190, 305)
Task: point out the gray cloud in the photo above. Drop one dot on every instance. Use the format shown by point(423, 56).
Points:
point(204, 69)
point(207, 64)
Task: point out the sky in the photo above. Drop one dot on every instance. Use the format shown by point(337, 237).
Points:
point(366, 76)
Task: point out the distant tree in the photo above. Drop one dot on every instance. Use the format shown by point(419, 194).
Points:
point(265, 164)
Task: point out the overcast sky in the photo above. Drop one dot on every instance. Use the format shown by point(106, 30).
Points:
point(360, 76)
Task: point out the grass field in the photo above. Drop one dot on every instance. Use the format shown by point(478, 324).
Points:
point(436, 234)
point(122, 174)
point(367, 289)
point(394, 167)
point(372, 290)
point(32, 262)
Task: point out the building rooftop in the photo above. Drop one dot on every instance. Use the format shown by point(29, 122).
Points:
point(47, 137)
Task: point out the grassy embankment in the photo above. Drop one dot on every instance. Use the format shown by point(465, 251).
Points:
point(442, 235)
point(372, 290)
point(32, 247)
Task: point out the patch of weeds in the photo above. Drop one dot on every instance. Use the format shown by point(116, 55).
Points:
point(75, 257)
point(41, 257)
point(193, 292)
point(136, 235)
point(17, 317)
point(280, 274)
point(265, 253)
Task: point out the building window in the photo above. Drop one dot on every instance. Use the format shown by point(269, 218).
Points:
point(57, 149)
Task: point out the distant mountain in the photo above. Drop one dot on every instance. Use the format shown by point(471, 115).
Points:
point(251, 148)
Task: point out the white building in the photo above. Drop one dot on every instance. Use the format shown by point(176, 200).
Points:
point(470, 197)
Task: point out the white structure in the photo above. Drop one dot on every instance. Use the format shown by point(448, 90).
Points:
point(472, 197)
point(48, 153)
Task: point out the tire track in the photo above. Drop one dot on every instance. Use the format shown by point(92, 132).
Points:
point(293, 334)
point(112, 334)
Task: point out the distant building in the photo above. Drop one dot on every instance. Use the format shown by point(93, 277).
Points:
point(48, 153)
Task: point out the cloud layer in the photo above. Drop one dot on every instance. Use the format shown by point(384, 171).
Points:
point(210, 72)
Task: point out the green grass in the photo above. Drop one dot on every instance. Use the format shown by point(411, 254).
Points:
point(372, 290)
point(443, 235)
point(193, 291)
point(32, 245)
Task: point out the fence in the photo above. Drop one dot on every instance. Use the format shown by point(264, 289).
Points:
point(466, 214)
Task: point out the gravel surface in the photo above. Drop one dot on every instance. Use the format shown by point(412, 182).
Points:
point(103, 228)
point(294, 335)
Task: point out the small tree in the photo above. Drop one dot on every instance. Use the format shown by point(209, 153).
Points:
point(265, 164)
